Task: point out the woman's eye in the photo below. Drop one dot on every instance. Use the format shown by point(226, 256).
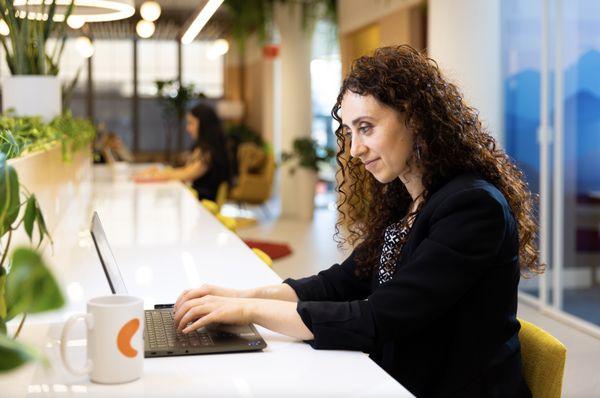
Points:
point(364, 129)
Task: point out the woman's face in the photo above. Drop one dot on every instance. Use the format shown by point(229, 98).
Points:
point(380, 139)
point(191, 125)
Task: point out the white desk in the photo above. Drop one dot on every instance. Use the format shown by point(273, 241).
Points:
point(164, 241)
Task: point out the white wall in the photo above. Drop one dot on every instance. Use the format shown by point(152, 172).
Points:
point(464, 37)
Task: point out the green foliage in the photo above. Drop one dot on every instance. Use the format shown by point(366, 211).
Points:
point(30, 287)
point(241, 133)
point(14, 354)
point(249, 16)
point(308, 153)
point(175, 98)
point(22, 135)
point(25, 47)
point(26, 284)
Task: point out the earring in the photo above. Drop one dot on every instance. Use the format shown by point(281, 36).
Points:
point(418, 151)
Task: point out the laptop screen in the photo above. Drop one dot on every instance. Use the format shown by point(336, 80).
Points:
point(115, 280)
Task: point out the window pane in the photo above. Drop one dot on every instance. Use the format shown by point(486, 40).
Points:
point(202, 70)
point(157, 60)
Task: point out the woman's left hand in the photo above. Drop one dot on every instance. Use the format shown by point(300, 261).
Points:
point(213, 309)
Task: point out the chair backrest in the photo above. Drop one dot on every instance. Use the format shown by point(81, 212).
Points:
point(543, 361)
point(251, 158)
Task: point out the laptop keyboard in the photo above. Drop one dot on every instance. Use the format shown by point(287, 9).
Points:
point(162, 333)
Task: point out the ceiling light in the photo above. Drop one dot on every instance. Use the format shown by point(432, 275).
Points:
point(4, 30)
point(84, 46)
point(217, 49)
point(75, 22)
point(150, 11)
point(201, 19)
point(144, 28)
point(89, 10)
point(221, 46)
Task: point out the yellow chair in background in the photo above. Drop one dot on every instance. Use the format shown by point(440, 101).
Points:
point(210, 206)
point(263, 256)
point(544, 359)
point(222, 194)
point(228, 222)
point(256, 173)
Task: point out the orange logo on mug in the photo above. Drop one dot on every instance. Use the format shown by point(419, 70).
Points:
point(124, 338)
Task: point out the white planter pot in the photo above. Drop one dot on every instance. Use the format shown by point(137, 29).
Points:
point(54, 182)
point(306, 184)
point(32, 95)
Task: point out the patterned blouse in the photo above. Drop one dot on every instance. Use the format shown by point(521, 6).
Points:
point(393, 240)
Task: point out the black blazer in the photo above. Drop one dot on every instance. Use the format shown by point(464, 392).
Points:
point(445, 325)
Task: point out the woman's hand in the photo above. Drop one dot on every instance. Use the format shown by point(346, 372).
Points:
point(277, 315)
point(213, 309)
point(208, 290)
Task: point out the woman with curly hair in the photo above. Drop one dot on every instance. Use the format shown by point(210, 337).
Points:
point(442, 226)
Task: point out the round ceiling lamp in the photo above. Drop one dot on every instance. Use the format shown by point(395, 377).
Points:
point(75, 22)
point(150, 11)
point(217, 49)
point(88, 10)
point(84, 46)
point(144, 28)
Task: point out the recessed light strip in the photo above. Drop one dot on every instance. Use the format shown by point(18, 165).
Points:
point(201, 19)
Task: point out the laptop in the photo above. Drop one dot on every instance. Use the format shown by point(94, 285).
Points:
point(161, 338)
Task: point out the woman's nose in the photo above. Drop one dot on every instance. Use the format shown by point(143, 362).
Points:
point(357, 148)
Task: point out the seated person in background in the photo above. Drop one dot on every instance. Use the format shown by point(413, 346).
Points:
point(109, 148)
point(442, 225)
point(208, 165)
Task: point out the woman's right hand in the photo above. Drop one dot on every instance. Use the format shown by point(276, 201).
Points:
point(208, 290)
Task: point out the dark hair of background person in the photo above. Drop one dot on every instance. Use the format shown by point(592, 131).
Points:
point(211, 140)
point(451, 141)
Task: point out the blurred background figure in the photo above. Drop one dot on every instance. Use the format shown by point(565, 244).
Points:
point(207, 166)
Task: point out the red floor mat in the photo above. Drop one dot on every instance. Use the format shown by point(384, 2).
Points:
point(275, 250)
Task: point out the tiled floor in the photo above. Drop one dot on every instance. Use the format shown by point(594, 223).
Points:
point(314, 249)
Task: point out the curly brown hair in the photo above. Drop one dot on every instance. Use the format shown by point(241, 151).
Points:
point(451, 141)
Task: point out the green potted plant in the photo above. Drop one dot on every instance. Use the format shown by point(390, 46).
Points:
point(26, 134)
point(26, 284)
point(307, 156)
point(33, 68)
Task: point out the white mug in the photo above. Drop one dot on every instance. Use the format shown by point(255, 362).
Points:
point(115, 346)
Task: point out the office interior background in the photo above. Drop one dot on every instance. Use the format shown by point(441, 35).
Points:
point(530, 67)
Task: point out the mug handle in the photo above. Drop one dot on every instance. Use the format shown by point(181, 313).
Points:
point(89, 321)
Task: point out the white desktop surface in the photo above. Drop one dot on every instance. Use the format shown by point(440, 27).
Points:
point(164, 241)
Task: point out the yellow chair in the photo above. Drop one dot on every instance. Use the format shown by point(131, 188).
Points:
point(263, 256)
point(192, 191)
point(222, 194)
point(210, 206)
point(543, 361)
point(254, 182)
point(228, 222)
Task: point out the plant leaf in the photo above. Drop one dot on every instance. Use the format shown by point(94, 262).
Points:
point(9, 195)
point(41, 225)
point(14, 354)
point(30, 287)
point(30, 216)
